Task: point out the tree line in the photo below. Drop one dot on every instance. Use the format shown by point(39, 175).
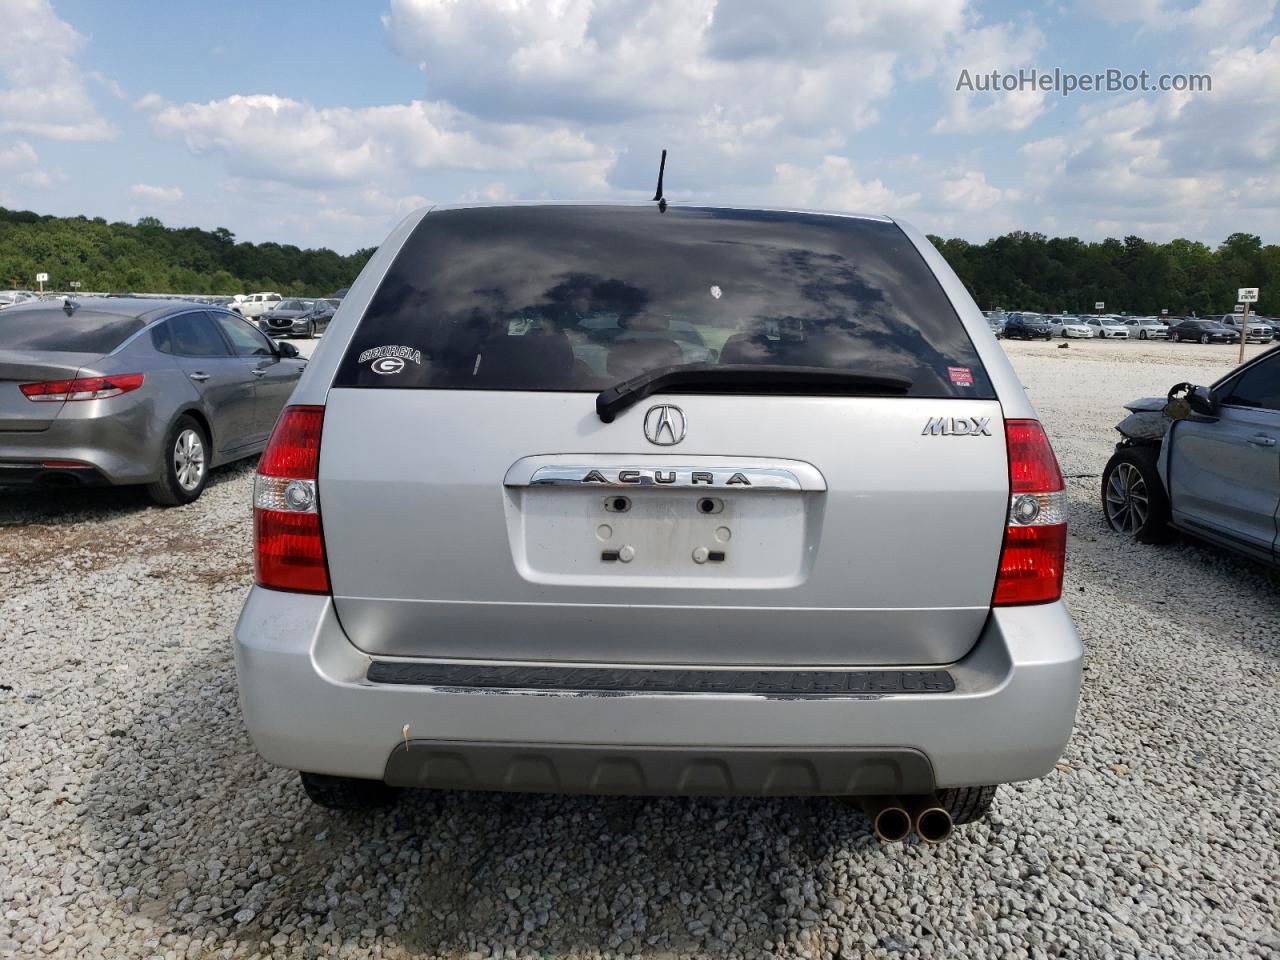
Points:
point(1029, 271)
point(1017, 271)
point(148, 257)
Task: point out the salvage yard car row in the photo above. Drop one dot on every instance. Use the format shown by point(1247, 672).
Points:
point(1220, 328)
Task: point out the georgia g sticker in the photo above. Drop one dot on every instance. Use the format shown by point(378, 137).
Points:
point(390, 358)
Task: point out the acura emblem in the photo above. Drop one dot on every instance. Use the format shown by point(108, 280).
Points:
point(664, 425)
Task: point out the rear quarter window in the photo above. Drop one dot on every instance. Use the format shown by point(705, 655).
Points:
point(574, 298)
point(54, 331)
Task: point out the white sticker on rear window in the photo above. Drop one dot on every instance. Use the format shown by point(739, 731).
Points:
point(399, 353)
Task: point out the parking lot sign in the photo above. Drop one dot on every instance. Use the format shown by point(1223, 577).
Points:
point(1239, 308)
point(1164, 312)
point(1097, 307)
point(1246, 296)
point(42, 279)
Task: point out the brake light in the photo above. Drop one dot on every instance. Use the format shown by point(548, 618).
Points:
point(1035, 541)
point(82, 388)
point(288, 541)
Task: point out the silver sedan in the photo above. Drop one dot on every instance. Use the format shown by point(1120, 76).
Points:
point(126, 391)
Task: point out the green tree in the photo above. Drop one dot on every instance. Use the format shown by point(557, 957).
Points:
point(150, 257)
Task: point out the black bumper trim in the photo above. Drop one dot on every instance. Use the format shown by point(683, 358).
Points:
point(658, 771)
point(34, 474)
point(623, 680)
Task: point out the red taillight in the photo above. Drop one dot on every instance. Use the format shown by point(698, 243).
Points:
point(1035, 542)
point(294, 447)
point(288, 540)
point(1032, 466)
point(82, 388)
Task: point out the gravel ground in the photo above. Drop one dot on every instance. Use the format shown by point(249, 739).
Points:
point(138, 821)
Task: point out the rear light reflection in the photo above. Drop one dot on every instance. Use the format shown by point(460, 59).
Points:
point(1035, 542)
point(82, 388)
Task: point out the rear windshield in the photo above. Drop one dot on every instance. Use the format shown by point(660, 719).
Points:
point(578, 298)
point(53, 331)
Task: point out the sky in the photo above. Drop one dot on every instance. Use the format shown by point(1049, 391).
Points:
point(322, 123)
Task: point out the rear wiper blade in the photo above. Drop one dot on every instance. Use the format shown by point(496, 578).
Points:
point(613, 400)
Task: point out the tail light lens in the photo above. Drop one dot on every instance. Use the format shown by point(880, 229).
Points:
point(1035, 541)
point(288, 542)
point(81, 388)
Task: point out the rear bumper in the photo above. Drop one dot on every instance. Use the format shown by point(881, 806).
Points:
point(114, 441)
point(309, 705)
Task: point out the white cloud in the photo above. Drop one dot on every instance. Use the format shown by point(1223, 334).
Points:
point(1000, 47)
point(970, 193)
point(278, 138)
point(152, 194)
point(1226, 21)
point(43, 90)
point(729, 87)
point(19, 163)
point(823, 61)
point(1173, 163)
point(834, 185)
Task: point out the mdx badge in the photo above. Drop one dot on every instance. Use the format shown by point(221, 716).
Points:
point(957, 427)
point(664, 424)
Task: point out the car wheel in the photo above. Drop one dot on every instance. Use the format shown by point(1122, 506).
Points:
point(1204, 338)
point(1142, 334)
point(967, 804)
point(347, 793)
point(1133, 498)
point(186, 465)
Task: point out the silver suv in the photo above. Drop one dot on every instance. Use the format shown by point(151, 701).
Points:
point(517, 533)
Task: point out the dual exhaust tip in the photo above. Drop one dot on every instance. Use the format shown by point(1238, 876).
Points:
point(893, 819)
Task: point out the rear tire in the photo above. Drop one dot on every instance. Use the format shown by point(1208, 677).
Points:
point(186, 464)
point(1134, 501)
point(347, 793)
point(311, 330)
point(967, 804)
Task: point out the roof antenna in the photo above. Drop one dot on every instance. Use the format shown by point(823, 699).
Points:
point(657, 194)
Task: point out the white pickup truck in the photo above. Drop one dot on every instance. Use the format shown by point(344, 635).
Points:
point(256, 304)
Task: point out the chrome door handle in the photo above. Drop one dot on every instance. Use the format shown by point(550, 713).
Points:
point(1262, 440)
point(258, 373)
point(198, 376)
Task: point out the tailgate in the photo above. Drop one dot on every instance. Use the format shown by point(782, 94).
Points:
point(781, 530)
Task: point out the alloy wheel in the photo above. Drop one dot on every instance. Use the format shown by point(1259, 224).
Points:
point(1127, 502)
point(1204, 338)
point(188, 459)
